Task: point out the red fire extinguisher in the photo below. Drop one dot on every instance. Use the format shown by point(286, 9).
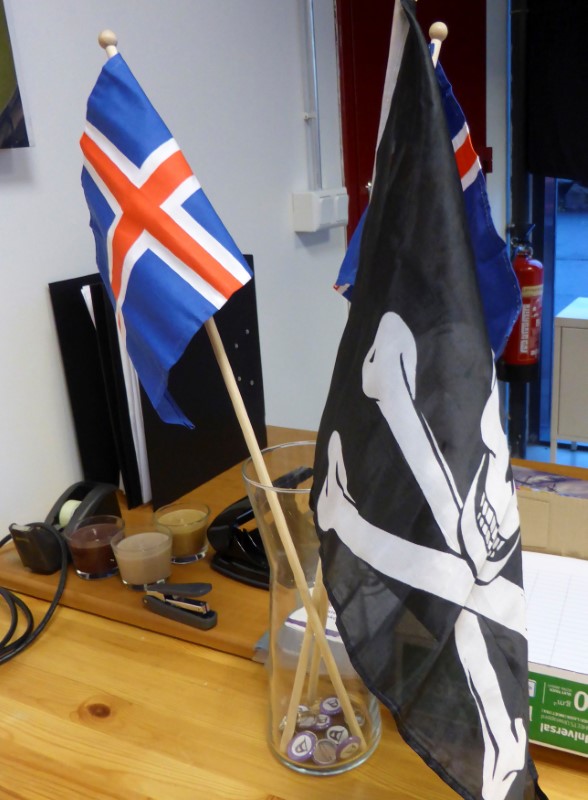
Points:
point(522, 348)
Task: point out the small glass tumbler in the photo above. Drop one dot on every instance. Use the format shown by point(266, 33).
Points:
point(89, 543)
point(188, 523)
point(143, 556)
point(322, 718)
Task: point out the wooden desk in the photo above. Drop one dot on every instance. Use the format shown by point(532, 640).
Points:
point(242, 611)
point(100, 710)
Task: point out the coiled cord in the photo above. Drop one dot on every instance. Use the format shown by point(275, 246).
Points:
point(9, 647)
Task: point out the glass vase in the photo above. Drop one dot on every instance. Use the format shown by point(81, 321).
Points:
point(322, 719)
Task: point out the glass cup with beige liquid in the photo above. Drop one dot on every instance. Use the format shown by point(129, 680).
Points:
point(188, 523)
point(143, 555)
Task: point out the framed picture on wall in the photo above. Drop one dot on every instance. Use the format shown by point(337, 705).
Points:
point(13, 132)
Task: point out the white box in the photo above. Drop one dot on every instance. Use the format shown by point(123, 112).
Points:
point(556, 590)
point(319, 209)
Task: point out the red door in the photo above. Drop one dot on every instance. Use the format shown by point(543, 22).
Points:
point(364, 37)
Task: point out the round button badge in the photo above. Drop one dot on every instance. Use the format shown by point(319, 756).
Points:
point(348, 748)
point(322, 722)
point(331, 706)
point(325, 753)
point(306, 721)
point(337, 733)
point(302, 745)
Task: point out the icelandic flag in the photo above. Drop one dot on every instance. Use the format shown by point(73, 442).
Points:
point(165, 257)
point(499, 288)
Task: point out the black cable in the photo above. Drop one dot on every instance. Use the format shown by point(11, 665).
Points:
point(13, 617)
point(15, 604)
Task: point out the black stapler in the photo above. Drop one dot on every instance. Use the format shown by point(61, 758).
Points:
point(239, 548)
point(176, 601)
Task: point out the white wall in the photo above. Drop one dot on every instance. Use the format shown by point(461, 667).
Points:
point(228, 78)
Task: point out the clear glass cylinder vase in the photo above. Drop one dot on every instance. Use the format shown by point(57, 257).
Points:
point(322, 719)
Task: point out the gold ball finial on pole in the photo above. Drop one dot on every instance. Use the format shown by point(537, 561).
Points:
point(438, 33)
point(108, 40)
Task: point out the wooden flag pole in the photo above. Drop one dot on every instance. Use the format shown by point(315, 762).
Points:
point(313, 619)
point(108, 40)
point(319, 601)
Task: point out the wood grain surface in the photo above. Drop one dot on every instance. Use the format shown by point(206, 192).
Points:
point(98, 709)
